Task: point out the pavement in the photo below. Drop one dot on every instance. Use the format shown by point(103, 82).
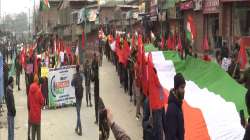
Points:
point(114, 98)
point(55, 124)
point(60, 123)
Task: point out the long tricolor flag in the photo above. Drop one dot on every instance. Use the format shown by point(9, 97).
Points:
point(212, 101)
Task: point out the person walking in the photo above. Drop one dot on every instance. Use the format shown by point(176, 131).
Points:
point(10, 102)
point(96, 97)
point(95, 67)
point(174, 120)
point(77, 83)
point(87, 73)
point(35, 104)
point(6, 75)
point(18, 71)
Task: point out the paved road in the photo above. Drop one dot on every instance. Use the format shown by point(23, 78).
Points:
point(56, 124)
point(60, 123)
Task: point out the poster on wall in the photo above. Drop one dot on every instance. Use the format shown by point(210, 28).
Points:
point(61, 92)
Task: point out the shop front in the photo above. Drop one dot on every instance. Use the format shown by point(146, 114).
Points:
point(211, 12)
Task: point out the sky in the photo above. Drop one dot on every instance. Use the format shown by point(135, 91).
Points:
point(17, 6)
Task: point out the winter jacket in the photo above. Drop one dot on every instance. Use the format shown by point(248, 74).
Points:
point(174, 122)
point(147, 128)
point(95, 68)
point(87, 73)
point(77, 83)
point(10, 102)
point(35, 102)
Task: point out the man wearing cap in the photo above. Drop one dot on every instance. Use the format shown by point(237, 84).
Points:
point(77, 83)
point(174, 121)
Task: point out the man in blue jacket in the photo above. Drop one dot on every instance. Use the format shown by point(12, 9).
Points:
point(174, 123)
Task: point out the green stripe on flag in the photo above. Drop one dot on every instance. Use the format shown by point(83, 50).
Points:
point(210, 76)
point(150, 48)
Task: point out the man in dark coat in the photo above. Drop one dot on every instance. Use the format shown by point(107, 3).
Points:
point(77, 83)
point(147, 122)
point(18, 71)
point(247, 100)
point(174, 121)
point(234, 68)
point(96, 97)
point(95, 67)
point(87, 74)
point(10, 102)
point(246, 78)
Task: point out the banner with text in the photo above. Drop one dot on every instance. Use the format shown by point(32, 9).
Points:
point(59, 83)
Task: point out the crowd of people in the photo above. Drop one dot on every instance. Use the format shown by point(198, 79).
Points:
point(165, 123)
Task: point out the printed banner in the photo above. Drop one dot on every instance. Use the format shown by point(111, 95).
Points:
point(44, 72)
point(60, 90)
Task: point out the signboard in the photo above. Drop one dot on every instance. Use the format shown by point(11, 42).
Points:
point(44, 72)
point(59, 85)
point(197, 5)
point(211, 6)
point(187, 5)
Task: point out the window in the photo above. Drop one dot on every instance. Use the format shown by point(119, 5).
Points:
point(242, 21)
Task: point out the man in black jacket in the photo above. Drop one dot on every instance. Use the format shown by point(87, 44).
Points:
point(77, 83)
point(247, 133)
point(174, 123)
point(10, 102)
point(87, 74)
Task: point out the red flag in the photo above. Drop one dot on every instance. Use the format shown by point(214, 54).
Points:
point(140, 43)
point(23, 57)
point(169, 43)
point(126, 51)
point(83, 40)
point(117, 43)
point(144, 73)
point(180, 45)
point(157, 95)
point(205, 44)
point(242, 57)
point(162, 42)
point(138, 64)
point(62, 46)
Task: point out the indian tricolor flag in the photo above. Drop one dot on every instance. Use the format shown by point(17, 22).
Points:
point(191, 30)
point(212, 101)
point(44, 4)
